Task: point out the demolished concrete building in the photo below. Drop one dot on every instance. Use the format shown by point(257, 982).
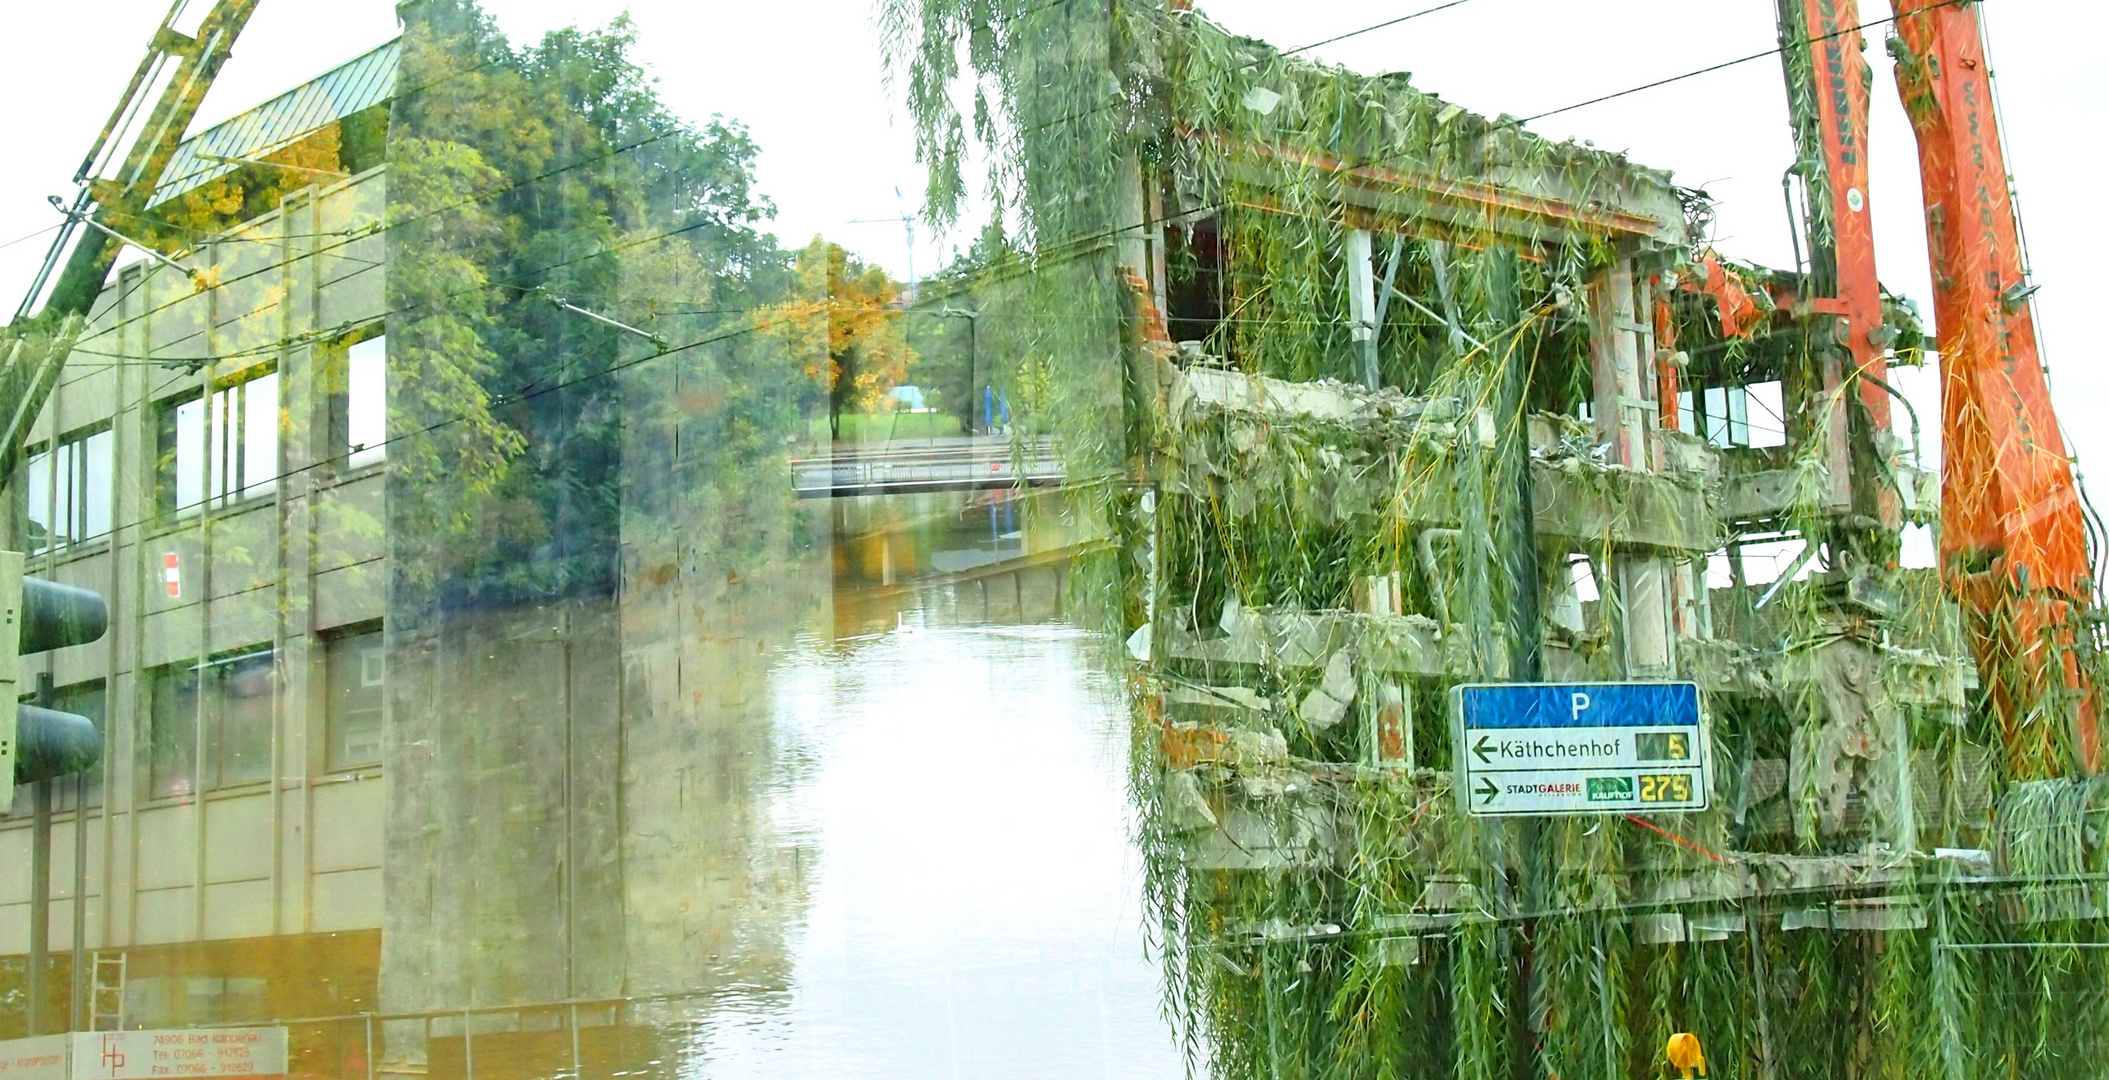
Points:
point(1413, 399)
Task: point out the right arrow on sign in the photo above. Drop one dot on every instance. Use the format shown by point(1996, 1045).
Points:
point(1488, 789)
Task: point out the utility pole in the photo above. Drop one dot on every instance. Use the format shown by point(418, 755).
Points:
point(40, 884)
point(76, 986)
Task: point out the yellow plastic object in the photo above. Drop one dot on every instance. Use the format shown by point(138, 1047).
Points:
point(1684, 1053)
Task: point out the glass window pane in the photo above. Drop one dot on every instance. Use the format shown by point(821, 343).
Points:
point(1716, 404)
point(183, 457)
point(97, 487)
point(238, 725)
point(259, 436)
point(366, 402)
point(1768, 426)
point(64, 528)
point(172, 720)
point(37, 475)
point(355, 684)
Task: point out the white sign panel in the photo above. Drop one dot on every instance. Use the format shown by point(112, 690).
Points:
point(41, 1058)
point(144, 1055)
point(1579, 748)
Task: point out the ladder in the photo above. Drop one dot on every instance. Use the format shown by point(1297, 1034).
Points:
point(106, 993)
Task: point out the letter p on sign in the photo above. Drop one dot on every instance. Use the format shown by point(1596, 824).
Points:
point(1579, 701)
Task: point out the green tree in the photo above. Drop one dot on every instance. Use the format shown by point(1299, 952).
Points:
point(566, 177)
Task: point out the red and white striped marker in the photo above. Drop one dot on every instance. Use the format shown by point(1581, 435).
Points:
point(172, 574)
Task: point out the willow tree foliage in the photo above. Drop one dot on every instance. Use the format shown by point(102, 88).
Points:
point(1405, 938)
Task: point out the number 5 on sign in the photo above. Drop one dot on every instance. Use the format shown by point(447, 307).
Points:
point(1662, 746)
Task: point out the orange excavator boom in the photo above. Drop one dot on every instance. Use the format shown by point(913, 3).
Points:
point(2013, 543)
point(2013, 539)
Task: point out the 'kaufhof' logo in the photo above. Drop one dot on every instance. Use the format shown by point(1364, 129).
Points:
point(1610, 788)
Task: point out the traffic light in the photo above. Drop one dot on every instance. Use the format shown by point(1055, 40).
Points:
point(37, 743)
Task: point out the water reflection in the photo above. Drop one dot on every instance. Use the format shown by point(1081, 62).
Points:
point(1000, 556)
point(973, 907)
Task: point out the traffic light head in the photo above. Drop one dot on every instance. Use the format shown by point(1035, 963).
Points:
point(55, 616)
point(38, 743)
point(51, 743)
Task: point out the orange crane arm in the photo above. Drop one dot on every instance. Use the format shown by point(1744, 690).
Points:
point(1828, 80)
point(2013, 539)
point(1827, 84)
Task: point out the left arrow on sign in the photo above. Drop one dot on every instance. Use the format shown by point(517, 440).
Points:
point(1487, 789)
point(1484, 751)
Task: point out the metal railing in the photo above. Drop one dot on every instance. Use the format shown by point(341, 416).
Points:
point(957, 466)
point(372, 1032)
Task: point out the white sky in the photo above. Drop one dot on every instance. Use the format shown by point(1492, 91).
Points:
point(806, 79)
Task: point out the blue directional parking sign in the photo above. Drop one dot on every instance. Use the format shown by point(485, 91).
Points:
point(1579, 748)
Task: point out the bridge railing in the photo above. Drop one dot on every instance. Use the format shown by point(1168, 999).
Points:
point(964, 465)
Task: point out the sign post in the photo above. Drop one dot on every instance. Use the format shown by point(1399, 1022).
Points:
point(1579, 748)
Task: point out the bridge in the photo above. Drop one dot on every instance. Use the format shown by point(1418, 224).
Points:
point(955, 464)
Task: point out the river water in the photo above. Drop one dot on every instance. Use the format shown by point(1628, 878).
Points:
point(956, 786)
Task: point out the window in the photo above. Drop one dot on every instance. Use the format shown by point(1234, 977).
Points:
point(172, 1000)
point(172, 730)
point(230, 701)
point(222, 448)
point(1718, 414)
point(1751, 416)
point(362, 410)
point(69, 491)
point(354, 712)
point(238, 709)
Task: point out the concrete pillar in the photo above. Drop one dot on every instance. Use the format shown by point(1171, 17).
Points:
point(1618, 403)
point(1623, 409)
point(1362, 304)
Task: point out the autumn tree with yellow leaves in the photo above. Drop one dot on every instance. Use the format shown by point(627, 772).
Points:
point(867, 354)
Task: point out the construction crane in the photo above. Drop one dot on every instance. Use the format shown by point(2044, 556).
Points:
point(116, 181)
point(2014, 541)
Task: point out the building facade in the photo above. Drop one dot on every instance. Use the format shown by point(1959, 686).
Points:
point(342, 787)
point(213, 463)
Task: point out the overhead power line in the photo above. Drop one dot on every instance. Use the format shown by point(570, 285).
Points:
point(1409, 17)
point(1711, 68)
point(1057, 250)
point(1256, 61)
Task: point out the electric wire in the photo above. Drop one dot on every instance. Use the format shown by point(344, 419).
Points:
point(383, 227)
point(399, 95)
point(25, 237)
point(1255, 62)
point(1408, 17)
point(530, 392)
point(1696, 72)
point(1062, 249)
point(684, 129)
